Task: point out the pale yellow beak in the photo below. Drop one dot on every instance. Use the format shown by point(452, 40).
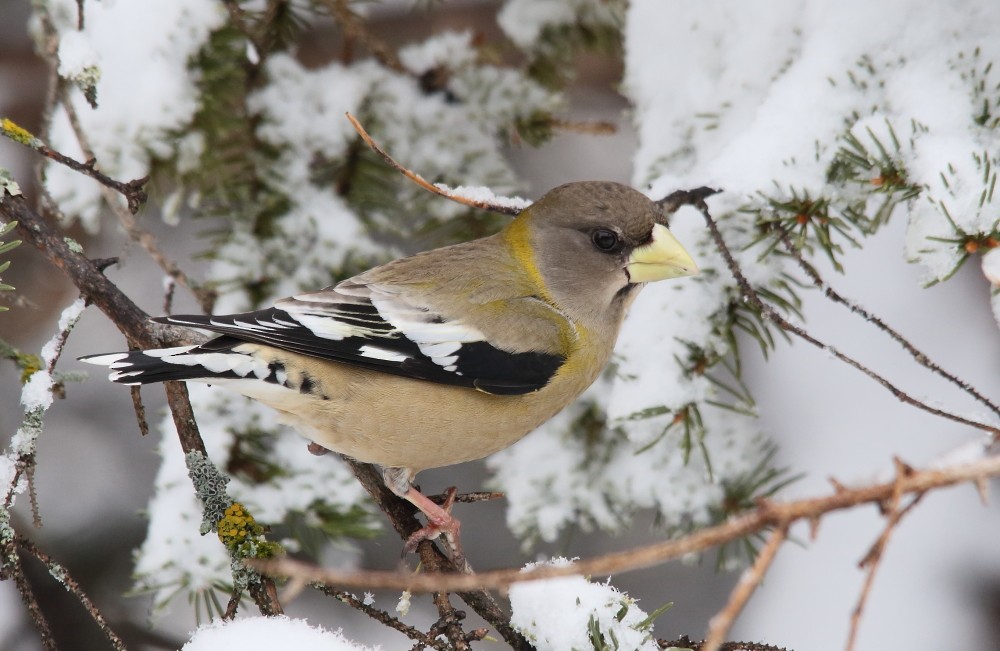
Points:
point(661, 259)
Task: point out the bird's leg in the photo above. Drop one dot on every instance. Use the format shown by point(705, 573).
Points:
point(439, 518)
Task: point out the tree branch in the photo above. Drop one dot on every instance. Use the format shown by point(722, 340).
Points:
point(766, 514)
point(60, 574)
point(402, 516)
point(132, 322)
point(718, 626)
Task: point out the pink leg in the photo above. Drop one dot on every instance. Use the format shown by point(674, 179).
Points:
point(439, 518)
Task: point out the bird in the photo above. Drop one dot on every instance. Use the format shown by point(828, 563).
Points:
point(444, 356)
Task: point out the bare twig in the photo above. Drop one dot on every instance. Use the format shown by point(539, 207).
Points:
point(133, 190)
point(769, 313)
point(718, 626)
point(139, 409)
point(872, 560)
point(764, 515)
point(62, 575)
point(468, 498)
point(593, 128)
point(504, 209)
point(919, 356)
point(12, 568)
point(385, 618)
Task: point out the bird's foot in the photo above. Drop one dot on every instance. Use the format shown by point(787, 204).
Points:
point(439, 521)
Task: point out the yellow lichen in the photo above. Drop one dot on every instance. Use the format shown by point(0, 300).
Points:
point(237, 525)
point(18, 133)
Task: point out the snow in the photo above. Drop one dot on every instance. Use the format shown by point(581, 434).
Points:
point(37, 392)
point(562, 614)
point(267, 634)
point(525, 20)
point(67, 320)
point(77, 59)
point(758, 99)
point(485, 195)
point(148, 60)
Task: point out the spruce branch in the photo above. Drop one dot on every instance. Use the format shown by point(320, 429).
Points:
point(355, 29)
point(769, 314)
point(919, 356)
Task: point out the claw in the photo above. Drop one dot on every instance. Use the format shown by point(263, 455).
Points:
point(439, 521)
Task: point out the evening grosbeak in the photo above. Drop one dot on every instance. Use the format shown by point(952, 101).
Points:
point(448, 355)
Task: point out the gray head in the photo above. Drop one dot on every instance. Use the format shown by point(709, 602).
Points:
point(604, 238)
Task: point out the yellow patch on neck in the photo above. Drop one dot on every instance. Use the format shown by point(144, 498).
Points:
point(517, 236)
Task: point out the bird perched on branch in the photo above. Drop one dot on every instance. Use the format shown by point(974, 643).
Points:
point(448, 355)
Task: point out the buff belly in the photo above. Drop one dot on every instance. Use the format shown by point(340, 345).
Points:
point(382, 419)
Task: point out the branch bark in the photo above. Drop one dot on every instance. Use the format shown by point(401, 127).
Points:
point(767, 514)
point(132, 321)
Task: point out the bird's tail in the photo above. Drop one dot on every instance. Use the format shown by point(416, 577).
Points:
point(212, 362)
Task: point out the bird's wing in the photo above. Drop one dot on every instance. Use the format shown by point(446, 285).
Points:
point(381, 327)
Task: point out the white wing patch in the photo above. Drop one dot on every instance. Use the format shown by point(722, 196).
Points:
point(243, 364)
point(346, 311)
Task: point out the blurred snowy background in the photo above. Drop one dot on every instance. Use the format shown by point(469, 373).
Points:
point(716, 93)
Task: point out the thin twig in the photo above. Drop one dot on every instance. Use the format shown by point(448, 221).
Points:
point(718, 626)
point(13, 568)
point(60, 573)
point(468, 498)
point(919, 356)
point(769, 313)
point(504, 209)
point(765, 515)
point(205, 297)
point(873, 559)
point(385, 618)
point(133, 190)
point(591, 128)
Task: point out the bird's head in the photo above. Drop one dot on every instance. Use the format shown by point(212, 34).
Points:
point(595, 241)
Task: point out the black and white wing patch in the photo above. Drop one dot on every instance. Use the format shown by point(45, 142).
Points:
point(374, 327)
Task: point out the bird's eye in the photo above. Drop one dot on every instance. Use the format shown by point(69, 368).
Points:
point(605, 240)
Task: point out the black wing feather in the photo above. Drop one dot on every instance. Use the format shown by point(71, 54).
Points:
point(477, 364)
